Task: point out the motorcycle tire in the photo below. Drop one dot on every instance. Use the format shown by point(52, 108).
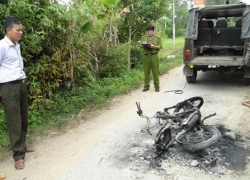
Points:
point(216, 135)
point(163, 138)
point(183, 104)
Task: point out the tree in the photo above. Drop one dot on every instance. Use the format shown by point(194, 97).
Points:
point(138, 14)
point(181, 14)
point(52, 47)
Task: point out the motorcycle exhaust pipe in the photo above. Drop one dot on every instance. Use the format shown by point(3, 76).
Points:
point(191, 121)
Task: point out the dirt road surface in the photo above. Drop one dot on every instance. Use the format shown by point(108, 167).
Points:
point(111, 145)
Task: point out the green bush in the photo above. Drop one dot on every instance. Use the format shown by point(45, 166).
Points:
point(114, 63)
point(51, 46)
point(136, 56)
point(2, 120)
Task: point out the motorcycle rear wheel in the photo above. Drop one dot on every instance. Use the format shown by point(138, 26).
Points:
point(211, 136)
point(195, 101)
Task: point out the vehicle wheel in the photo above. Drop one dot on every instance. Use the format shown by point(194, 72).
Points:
point(195, 101)
point(163, 138)
point(247, 81)
point(192, 79)
point(191, 141)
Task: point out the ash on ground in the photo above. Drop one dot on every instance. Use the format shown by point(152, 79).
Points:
point(229, 155)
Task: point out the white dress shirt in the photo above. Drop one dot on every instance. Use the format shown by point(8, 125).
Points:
point(11, 62)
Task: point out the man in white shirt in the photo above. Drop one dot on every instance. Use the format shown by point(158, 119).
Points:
point(13, 90)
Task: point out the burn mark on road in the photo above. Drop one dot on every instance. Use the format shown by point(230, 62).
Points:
point(227, 156)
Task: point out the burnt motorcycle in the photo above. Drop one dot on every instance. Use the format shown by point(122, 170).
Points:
point(184, 125)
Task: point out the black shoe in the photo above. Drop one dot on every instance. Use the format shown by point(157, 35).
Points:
point(145, 89)
point(157, 90)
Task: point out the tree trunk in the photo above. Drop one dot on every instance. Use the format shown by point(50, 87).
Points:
point(129, 48)
point(72, 57)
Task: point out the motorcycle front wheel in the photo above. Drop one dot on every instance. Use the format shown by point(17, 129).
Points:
point(163, 138)
point(195, 141)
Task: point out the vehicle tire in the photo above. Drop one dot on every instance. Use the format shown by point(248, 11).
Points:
point(213, 136)
point(195, 101)
point(247, 81)
point(192, 79)
point(163, 138)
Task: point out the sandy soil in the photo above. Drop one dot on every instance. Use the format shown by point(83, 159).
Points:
point(104, 147)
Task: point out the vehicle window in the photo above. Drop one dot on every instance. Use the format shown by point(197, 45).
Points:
point(231, 22)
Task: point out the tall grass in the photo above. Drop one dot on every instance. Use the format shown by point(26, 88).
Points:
point(168, 62)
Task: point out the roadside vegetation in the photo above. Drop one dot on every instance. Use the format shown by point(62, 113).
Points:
point(79, 57)
point(70, 108)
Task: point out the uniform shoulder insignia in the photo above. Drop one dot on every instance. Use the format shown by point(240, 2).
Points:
point(157, 36)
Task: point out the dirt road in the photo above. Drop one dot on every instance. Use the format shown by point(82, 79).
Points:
point(111, 145)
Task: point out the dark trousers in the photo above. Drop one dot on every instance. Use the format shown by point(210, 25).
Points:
point(15, 102)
